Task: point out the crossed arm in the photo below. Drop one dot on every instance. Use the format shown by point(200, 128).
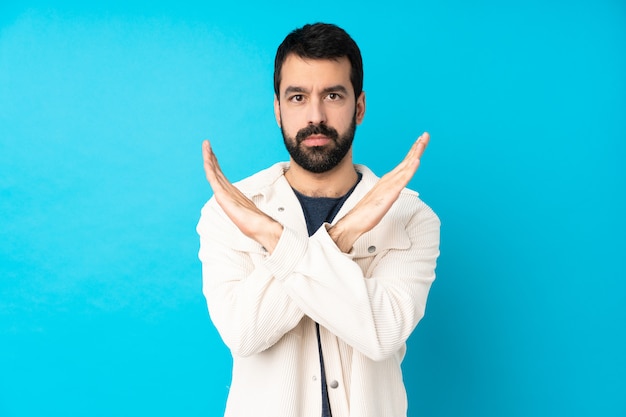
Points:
point(371, 302)
point(255, 303)
point(362, 218)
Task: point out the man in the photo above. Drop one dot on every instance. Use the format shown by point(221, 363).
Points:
point(315, 271)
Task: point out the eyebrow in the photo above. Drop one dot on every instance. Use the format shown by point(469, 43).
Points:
point(333, 89)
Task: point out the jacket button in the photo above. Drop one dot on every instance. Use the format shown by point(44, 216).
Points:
point(334, 384)
point(371, 249)
point(281, 209)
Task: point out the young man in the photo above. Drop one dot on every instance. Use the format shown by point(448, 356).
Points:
point(316, 271)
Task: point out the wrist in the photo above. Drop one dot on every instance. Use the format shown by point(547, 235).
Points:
point(270, 236)
point(344, 237)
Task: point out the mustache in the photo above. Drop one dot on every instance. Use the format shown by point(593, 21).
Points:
point(318, 129)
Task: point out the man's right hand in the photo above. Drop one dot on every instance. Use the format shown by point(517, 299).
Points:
point(372, 208)
point(242, 211)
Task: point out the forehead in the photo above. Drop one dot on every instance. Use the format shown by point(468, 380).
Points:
point(315, 73)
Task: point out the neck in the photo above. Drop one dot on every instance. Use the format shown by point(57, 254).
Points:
point(333, 183)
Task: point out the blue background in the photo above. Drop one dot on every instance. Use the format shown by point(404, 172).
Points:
point(102, 112)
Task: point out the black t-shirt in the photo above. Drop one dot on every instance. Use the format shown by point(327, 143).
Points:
point(317, 211)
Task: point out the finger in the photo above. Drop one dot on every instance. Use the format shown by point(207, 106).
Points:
point(418, 148)
point(424, 138)
point(211, 167)
point(407, 168)
point(207, 156)
point(219, 183)
point(206, 151)
point(422, 144)
point(411, 159)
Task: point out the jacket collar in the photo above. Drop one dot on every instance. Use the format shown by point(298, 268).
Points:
point(261, 184)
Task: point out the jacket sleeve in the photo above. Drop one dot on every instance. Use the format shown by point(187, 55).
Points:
point(249, 308)
point(373, 297)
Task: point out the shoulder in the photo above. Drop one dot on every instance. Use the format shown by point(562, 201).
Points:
point(262, 180)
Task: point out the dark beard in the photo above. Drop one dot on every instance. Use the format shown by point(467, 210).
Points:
point(318, 159)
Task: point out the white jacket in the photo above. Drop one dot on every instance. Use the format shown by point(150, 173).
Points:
point(367, 303)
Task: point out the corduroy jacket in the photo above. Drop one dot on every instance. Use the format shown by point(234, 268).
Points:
point(367, 303)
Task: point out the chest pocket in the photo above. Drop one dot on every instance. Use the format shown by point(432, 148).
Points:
point(370, 248)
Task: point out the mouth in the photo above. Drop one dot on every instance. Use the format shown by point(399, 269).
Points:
point(316, 140)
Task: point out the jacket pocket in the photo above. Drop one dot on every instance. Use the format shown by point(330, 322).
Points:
point(373, 245)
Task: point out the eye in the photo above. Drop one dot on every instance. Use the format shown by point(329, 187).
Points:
point(334, 96)
point(297, 98)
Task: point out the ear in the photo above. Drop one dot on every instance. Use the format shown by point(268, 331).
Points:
point(277, 110)
point(360, 108)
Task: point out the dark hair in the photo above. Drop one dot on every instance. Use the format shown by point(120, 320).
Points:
point(320, 41)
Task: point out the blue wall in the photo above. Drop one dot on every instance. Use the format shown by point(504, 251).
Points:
point(102, 111)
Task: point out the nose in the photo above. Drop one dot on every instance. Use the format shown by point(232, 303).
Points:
point(317, 113)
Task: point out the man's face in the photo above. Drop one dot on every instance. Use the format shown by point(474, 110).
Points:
point(317, 111)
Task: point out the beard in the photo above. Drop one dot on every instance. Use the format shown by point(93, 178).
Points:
point(318, 159)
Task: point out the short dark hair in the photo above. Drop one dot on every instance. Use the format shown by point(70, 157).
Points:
point(320, 41)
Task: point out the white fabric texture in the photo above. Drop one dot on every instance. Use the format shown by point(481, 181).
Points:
point(367, 303)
